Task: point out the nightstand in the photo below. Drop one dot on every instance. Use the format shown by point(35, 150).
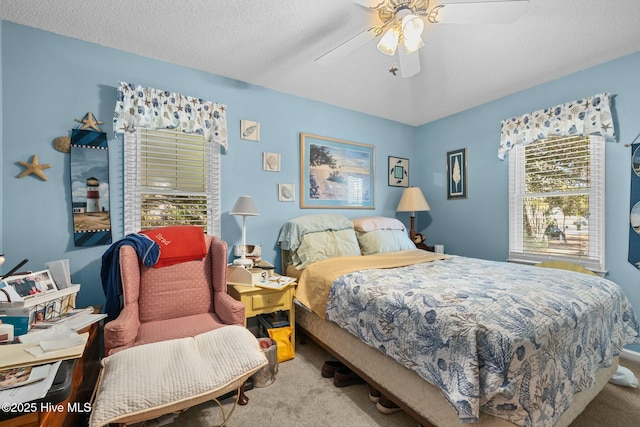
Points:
point(259, 300)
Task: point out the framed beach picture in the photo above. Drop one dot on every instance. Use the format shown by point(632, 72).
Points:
point(398, 172)
point(457, 174)
point(336, 174)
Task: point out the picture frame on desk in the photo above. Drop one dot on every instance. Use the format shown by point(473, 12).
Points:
point(27, 286)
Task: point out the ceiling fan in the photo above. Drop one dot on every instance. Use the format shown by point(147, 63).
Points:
point(402, 23)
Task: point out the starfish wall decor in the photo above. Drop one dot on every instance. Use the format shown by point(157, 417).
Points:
point(90, 122)
point(34, 168)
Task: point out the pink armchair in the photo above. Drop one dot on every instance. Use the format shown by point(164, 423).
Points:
point(176, 301)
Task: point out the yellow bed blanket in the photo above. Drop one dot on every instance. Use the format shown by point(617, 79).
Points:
point(315, 281)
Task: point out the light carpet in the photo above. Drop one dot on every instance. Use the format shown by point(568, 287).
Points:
point(301, 397)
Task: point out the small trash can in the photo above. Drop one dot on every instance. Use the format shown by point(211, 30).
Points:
point(267, 375)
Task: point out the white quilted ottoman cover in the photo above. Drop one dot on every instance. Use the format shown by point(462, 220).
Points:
point(147, 381)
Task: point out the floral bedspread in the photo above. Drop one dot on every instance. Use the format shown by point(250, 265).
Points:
point(511, 340)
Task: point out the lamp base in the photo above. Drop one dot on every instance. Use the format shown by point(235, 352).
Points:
point(412, 230)
point(243, 262)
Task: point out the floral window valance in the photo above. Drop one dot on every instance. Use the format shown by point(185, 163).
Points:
point(158, 109)
point(587, 116)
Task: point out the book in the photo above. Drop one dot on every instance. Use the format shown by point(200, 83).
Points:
point(274, 320)
point(275, 282)
point(266, 322)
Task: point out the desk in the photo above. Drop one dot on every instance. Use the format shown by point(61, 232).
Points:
point(75, 407)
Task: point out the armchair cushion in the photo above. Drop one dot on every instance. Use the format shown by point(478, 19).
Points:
point(178, 244)
point(170, 329)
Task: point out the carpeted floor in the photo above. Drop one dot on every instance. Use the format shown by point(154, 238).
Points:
point(301, 397)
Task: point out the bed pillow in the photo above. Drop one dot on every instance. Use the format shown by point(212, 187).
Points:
point(372, 223)
point(323, 245)
point(380, 241)
point(293, 230)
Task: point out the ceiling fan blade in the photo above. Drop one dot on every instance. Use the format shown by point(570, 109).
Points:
point(349, 46)
point(474, 12)
point(370, 4)
point(409, 64)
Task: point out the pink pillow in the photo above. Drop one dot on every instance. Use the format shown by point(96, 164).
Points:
point(372, 223)
point(178, 243)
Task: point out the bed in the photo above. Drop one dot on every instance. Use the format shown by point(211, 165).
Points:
point(455, 340)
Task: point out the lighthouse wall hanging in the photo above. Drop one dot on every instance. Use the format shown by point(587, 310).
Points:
point(90, 186)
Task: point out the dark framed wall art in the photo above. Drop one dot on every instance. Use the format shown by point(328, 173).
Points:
point(457, 174)
point(398, 172)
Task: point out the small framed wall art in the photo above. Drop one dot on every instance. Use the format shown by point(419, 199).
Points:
point(250, 130)
point(271, 162)
point(398, 172)
point(457, 174)
point(286, 193)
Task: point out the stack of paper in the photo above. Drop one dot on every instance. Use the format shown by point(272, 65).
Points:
point(17, 355)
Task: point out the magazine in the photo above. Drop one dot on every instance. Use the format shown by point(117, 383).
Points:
point(44, 322)
point(275, 282)
point(17, 377)
point(23, 287)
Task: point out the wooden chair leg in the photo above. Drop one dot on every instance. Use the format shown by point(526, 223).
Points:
point(242, 398)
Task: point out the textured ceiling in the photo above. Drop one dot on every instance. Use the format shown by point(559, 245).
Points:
point(273, 43)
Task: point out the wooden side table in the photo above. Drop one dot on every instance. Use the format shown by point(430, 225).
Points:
point(259, 300)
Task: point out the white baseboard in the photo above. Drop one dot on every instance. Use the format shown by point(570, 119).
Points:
point(630, 355)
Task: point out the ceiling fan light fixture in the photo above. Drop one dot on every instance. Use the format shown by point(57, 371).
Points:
point(389, 42)
point(412, 45)
point(412, 27)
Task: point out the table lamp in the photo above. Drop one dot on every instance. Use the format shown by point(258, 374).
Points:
point(412, 200)
point(244, 206)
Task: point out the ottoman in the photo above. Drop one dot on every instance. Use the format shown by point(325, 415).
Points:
point(151, 380)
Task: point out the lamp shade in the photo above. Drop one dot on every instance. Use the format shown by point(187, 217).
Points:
point(412, 200)
point(389, 42)
point(244, 206)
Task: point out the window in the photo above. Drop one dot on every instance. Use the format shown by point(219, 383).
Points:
point(556, 201)
point(171, 178)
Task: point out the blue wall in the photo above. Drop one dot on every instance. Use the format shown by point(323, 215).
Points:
point(49, 80)
point(478, 226)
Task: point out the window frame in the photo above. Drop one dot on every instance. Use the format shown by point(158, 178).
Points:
point(595, 260)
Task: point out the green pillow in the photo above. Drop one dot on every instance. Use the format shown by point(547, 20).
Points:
point(323, 245)
point(379, 241)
